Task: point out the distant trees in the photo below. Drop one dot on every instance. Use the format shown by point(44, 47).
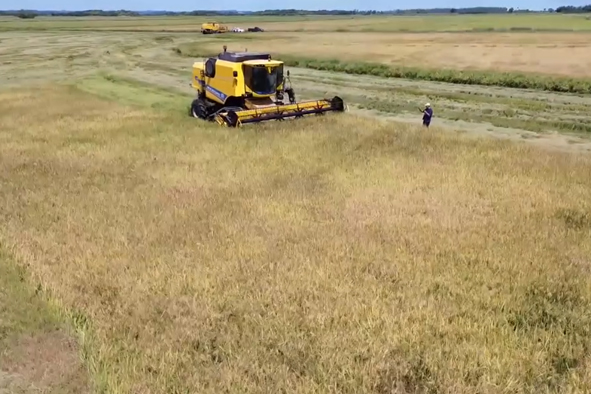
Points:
point(29, 14)
point(571, 9)
point(26, 15)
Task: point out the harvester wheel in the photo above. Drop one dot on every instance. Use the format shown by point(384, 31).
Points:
point(337, 104)
point(198, 109)
point(291, 95)
point(231, 119)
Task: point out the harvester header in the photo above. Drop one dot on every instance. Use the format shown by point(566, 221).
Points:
point(237, 88)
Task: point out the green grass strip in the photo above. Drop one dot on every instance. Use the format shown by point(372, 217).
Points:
point(486, 78)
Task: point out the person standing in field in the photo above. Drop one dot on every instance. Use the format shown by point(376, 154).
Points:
point(427, 115)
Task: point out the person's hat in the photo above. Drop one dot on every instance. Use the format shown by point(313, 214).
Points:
point(428, 105)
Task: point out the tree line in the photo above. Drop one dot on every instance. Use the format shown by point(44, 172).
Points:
point(29, 14)
point(571, 9)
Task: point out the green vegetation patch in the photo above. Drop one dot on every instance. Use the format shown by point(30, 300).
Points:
point(134, 92)
point(22, 311)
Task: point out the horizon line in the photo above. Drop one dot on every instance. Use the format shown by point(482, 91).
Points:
point(275, 9)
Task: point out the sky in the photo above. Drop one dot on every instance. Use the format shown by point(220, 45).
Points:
point(256, 5)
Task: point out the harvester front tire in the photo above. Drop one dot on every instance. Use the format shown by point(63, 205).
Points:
point(231, 119)
point(337, 104)
point(198, 109)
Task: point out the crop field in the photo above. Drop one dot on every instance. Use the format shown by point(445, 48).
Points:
point(143, 251)
point(428, 23)
point(543, 53)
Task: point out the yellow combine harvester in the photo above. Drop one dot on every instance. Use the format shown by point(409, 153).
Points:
point(236, 88)
point(213, 28)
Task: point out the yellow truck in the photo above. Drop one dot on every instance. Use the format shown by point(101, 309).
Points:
point(213, 28)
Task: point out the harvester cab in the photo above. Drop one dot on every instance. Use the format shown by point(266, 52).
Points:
point(237, 88)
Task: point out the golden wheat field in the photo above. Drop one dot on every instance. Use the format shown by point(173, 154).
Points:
point(143, 251)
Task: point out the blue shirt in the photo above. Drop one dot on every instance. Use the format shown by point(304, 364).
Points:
point(427, 113)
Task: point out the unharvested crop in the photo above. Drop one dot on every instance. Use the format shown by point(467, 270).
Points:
point(334, 254)
point(467, 77)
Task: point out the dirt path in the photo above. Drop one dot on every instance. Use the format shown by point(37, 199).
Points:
point(150, 58)
point(43, 363)
point(37, 353)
